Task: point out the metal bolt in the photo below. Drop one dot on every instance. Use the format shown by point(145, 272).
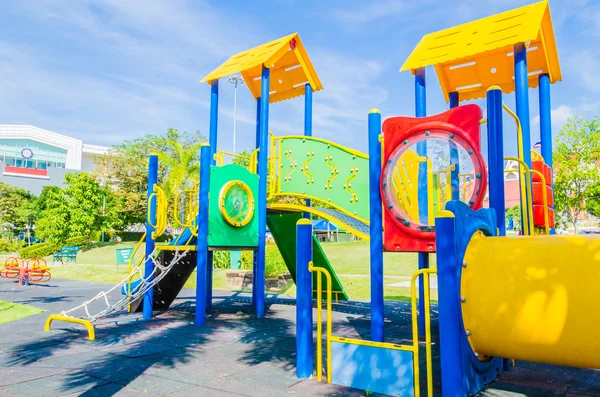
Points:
point(476, 354)
point(451, 136)
point(427, 133)
point(477, 176)
point(384, 184)
point(470, 151)
point(471, 202)
point(406, 223)
point(468, 332)
point(405, 142)
point(463, 299)
point(464, 264)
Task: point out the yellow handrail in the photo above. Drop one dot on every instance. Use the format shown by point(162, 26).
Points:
point(415, 328)
point(319, 272)
point(57, 317)
point(415, 345)
point(525, 190)
point(190, 212)
point(161, 211)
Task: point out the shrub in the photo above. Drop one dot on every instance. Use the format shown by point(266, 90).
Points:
point(48, 248)
point(134, 237)
point(11, 245)
point(274, 264)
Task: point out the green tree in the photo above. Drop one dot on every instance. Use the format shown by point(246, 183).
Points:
point(125, 169)
point(592, 199)
point(11, 199)
point(514, 213)
point(576, 155)
point(77, 210)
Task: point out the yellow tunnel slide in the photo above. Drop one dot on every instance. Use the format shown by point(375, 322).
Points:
point(533, 298)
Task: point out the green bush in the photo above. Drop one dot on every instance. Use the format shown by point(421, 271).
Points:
point(274, 264)
point(11, 245)
point(48, 248)
point(108, 235)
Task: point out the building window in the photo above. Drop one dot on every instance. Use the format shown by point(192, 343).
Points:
point(31, 154)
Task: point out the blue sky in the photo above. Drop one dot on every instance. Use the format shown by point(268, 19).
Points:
point(108, 70)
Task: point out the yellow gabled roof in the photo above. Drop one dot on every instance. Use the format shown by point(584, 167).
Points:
point(471, 57)
point(290, 66)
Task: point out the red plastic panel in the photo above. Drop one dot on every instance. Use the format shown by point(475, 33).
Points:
point(460, 123)
point(538, 194)
point(538, 216)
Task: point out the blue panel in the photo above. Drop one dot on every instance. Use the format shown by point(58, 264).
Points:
point(371, 368)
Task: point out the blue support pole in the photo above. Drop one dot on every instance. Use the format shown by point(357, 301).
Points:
point(255, 252)
point(149, 265)
point(202, 240)
point(454, 157)
point(376, 229)
point(214, 117)
point(263, 153)
point(421, 111)
point(546, 123)
point(307, 123)
point(304, 298)
point(522, 98)
point(496, 155)
point(545, 119)
point(450, 312)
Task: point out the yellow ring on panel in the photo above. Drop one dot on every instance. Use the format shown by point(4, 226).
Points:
point(236, 203)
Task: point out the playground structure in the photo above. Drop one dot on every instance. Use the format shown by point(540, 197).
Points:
point(34, 270)
point(419, 190)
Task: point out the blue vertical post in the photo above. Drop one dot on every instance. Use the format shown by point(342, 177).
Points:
point(546, 122)
point(545, 119)
point(214, 117)
point(522, 102)
point(450, 311)
point(149, 265)
point(307, 123)
point(496, 155)
point(454, 158)
point(376, 229)
point(304, 298)
point(522, 98)
point(421, 111)
point(202, 259)
point(255, 252)
point(263, 153)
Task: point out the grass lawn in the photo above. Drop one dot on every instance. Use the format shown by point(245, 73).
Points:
point(13, 311)
point(347, 258)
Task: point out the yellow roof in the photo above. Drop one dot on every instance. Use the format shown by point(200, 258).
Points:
point(290, 66)
point(471, 57)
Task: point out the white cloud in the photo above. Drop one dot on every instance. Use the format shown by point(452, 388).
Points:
point(559, 116)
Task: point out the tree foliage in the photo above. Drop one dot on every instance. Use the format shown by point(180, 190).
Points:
point(76, 210)
point(11, 200)
point(576, 156)
point(592, 199)
point(125, 169)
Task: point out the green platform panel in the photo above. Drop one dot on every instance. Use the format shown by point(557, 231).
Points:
point(238, 204)
point(331, 173)
point(283, 230)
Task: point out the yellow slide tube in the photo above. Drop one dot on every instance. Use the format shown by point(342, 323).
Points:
point(533, 298)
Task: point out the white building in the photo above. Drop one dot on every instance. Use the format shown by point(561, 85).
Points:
point(32, 158)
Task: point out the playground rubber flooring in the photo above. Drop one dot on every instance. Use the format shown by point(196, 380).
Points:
point(234, 355)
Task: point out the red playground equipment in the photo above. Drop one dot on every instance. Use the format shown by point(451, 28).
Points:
point(34, 270)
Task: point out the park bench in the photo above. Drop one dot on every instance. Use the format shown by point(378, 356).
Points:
point(66, 254)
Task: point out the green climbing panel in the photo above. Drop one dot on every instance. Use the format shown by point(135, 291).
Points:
point(232, 219)
point(325, 171)
point(283, 229)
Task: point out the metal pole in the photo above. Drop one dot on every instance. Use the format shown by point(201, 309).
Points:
point(421, 111)
point(235, 84)
point(259, 284)
point(451, 334)
point(545, 119)
point(213, 133)
point(307, 123)
point(255, 252)
point(496, 155)
point(304, 298)
point(149, 265)
point(522, 98)
point(202, 259)
point(103, 214)
point(376, 228)
point(454, 158)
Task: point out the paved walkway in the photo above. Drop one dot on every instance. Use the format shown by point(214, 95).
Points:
point(234, 355)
